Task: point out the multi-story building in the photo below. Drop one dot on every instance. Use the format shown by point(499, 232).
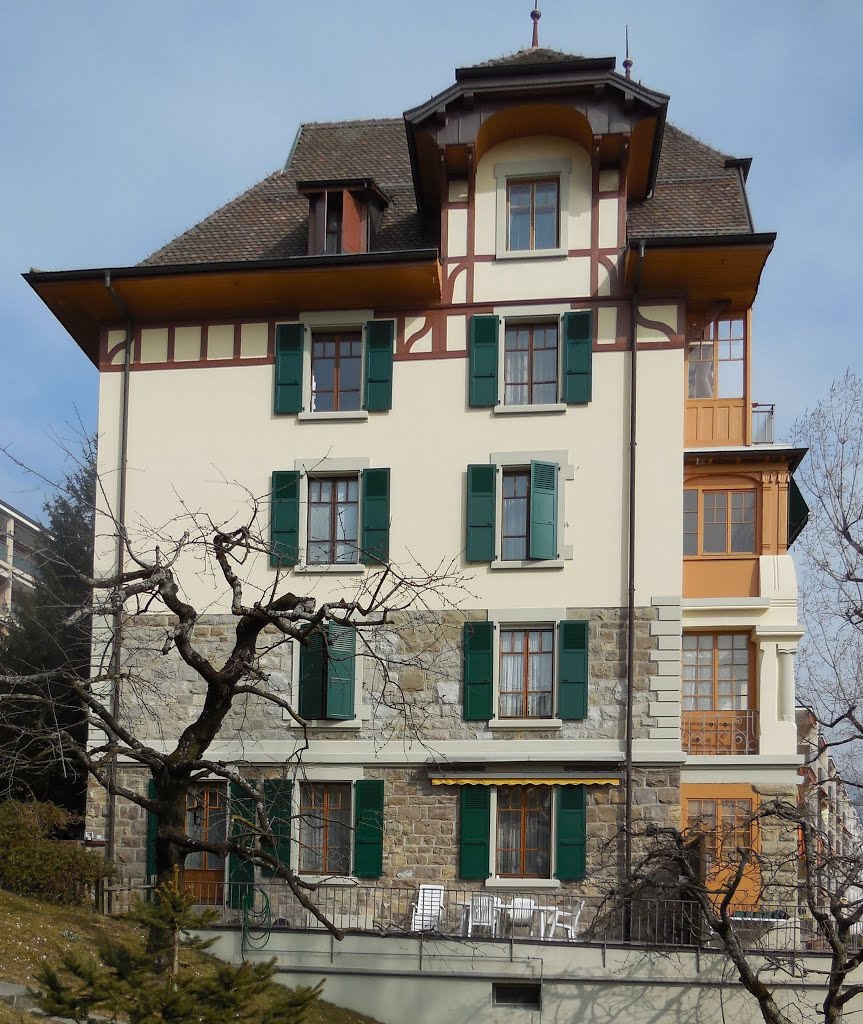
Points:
point(512, 328)
point(19, 540)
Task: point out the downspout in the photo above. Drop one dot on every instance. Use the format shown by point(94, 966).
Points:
point(630, 611)
point(117, 646)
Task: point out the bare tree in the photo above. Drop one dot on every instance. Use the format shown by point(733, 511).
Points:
point(118, 696)
point(830, 558)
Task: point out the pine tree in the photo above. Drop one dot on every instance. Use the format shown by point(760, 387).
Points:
point(41, 638)
point(157, 985)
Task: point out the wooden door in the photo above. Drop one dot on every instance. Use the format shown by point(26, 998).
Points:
point(206, 819)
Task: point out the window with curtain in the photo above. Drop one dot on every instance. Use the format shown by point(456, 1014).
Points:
point(516, 514)
point(526, 673)
point(530, 364)
point(715, 672)
point(333, 523)
point(524, 831)
point(325, 828)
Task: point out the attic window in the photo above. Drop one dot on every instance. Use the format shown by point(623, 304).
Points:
point(343, 215)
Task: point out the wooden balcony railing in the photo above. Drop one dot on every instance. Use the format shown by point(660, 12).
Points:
point(720, 732)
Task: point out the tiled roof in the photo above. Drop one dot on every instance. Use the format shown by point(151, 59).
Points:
point(695, 194)
point(531, 55)
point(270, 220)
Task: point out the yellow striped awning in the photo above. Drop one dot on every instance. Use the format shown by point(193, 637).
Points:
point(509, 780)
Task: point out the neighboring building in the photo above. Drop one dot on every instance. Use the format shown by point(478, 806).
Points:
point(513, 327)
point(19, 539)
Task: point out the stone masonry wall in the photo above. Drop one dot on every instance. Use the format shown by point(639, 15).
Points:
point(411, 675)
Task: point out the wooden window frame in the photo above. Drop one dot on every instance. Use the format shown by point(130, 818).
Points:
point(718, 839)
point(525, 692)
point(710, 335)
point(510, 472)
point(207, 790)
point(333, 517)
point(323, 814)
point(523, 849)
point(701, 490)
point(339, 338)
point(533, 182)
point(752, 690)
point(530, 383)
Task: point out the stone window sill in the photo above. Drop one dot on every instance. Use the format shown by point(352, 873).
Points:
point(325, 724)
point(354, 569)
point(522, 883)
point(528, 563)
point(331, 881)
point(531, 254)
point(520, 410)
point(349, 415)
point(525, 723)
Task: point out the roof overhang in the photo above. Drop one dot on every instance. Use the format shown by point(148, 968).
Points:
point(785, 454)
point(708, 270)
point(80, 300)
point(366, 186)
point(587, 85)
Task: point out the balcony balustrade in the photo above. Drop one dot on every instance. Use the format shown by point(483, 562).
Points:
point(762, 423)
point(511, 915)
point(720, 732)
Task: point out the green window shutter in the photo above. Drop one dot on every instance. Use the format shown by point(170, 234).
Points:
point(152, 830)
point(341, 665)
point(798, 511)
point(475, 828)
point(380, 339)
point(369, 828)
point(571, 833)
point(477, 670)
point(277, 801)
point(311, 701)
point(285, 518)
point(543, 510)
point(376, 516)
point(241, 874)
point(480, 516)
point(573, 640)
point(289, 369)
point(577, 357)
point(483, 361)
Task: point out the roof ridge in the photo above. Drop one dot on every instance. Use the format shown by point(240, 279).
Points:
point(357, 121)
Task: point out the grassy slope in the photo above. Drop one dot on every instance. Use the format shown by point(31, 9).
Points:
point(32, 933)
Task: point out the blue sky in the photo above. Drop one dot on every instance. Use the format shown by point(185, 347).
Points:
point(123, 125)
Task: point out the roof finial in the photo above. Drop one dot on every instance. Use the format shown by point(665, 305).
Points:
point(628, 62)
point(535, 15)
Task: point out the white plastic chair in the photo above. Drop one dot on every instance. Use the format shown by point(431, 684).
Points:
point(566, 921)
point(521, 912)
point(428, 909)
point(482, 912)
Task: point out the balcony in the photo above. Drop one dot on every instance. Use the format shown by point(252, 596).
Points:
point(270, 910)
point(23, 562)
point(762, 423)
point(718, 733)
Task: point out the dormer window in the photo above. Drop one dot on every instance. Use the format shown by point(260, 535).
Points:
point(533, 214)
point(344, 216)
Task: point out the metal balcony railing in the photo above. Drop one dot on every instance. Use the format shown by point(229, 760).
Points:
point(483, 913)
point(720, 732)
point(762, 423)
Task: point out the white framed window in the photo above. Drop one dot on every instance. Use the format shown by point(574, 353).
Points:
point(532, 208)
point(525, 668)
point(514, 504)
point(330, 521)
point(334, 365)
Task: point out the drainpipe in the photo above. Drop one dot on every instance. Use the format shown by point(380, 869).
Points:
point(117, 645)
point(630, 616)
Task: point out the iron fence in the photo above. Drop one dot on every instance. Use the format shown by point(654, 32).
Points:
point(462, 913)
